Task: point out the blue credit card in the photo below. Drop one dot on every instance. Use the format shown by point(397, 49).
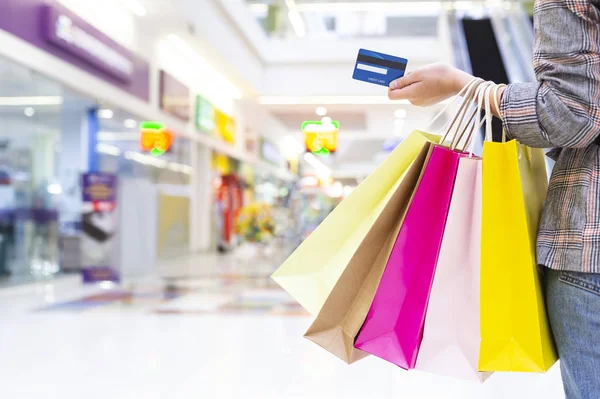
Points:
point(378, 68)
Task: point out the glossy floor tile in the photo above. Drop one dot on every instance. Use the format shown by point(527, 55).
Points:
point(201, 327)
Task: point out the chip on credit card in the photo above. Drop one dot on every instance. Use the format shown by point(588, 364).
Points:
point(378, 68)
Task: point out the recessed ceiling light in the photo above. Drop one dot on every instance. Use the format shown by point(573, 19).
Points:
point(401, 113)
point(321, 111)
point(29, 112)
point(105, 113)
point(130, 123)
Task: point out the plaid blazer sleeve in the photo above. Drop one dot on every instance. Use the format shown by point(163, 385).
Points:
point(562, 109)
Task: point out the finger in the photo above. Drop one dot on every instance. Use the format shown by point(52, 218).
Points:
point(406, 80)
point(409, 92)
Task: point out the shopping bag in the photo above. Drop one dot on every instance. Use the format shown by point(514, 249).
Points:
point(515, 333)
point(311, 272)
point(394, 325)
point(452, 332)
point(344, 311)
point(514, 325)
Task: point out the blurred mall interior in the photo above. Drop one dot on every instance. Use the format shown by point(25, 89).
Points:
point(135, 257)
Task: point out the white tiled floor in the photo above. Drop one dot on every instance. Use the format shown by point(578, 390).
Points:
point(216, 328)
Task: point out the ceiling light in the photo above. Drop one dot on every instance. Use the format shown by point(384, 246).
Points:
point(135, 7)
point(26, 101)
point(188, 50)
point(54, 189)
point(108, 149)
point(179, 167)
point(29, 112)
point(175, 167)
point(321, 111)
point(107, 285)
point(130, 123)
point(118, 136)
point(105, 113)
point(400, 114)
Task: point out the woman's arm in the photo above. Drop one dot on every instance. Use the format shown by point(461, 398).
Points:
point(563, 108)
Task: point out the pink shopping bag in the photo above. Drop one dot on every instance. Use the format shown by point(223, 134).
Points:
point(394, 325)
point(452, 333)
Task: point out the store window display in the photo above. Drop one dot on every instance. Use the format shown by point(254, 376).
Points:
point(33, 141)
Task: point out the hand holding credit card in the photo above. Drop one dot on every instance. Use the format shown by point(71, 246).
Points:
point(378, 68)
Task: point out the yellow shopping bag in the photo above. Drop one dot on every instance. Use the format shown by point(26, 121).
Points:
point(311, 272)
point(515, 334)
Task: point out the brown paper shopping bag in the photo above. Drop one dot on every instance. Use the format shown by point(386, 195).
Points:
point(346, 308)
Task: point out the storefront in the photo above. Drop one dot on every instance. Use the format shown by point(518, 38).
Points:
point(53, 135)
point(40, 166)
point(73, 97)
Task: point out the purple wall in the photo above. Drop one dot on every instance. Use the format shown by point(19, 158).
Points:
point(26, 20)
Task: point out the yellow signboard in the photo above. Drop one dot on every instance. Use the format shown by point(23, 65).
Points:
point(225, 126)
point(321, 137)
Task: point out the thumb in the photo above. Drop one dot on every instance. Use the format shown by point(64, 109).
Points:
point(402, 82)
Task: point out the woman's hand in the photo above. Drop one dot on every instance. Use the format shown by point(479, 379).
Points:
point(429, 85)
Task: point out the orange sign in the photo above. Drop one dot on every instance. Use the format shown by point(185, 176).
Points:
point(155, 138)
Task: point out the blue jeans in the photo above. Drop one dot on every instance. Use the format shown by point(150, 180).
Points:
point(573, 301)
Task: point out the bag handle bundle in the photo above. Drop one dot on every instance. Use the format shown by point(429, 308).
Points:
point(470, 91)
point(482, 95)
point(467, 89)
point(475, 121)
point(476, 92)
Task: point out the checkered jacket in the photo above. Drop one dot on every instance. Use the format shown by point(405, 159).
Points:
point(562, 111)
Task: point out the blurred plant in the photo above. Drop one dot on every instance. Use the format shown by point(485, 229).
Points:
point(255, 223)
